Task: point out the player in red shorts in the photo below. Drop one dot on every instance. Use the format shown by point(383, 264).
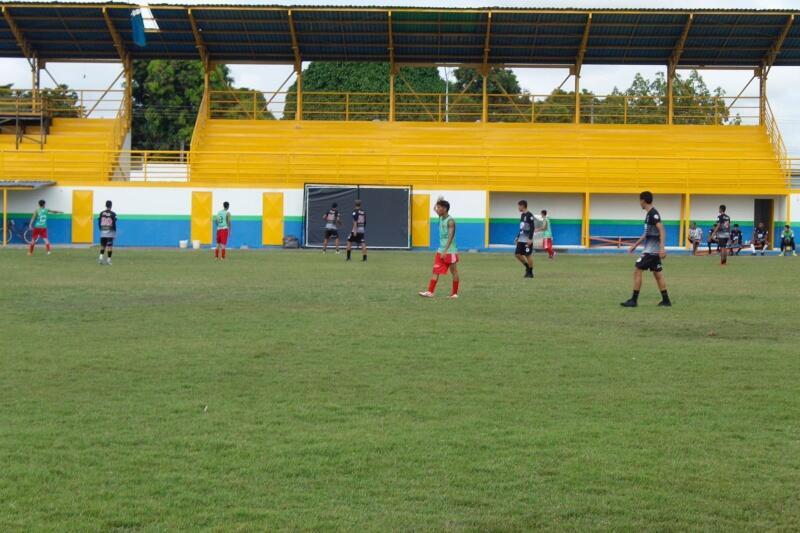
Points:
point(223, 221)
point(447, 253)
point(39, 225)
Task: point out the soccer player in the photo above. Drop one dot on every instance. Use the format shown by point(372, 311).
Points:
point(737, 240)
point(358, 232)
point(333, 221)
point(39, 225)
point(721, 233)
point(654, 237)
point(711, 241)
point(695, 237)
point(447, 254)
point(223, 220)
point(107, 222)
point(759, 242)
point(524, 239)
point(547, 243)
point(787, 241)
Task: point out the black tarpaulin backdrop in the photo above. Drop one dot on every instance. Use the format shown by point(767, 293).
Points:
point(388, 214)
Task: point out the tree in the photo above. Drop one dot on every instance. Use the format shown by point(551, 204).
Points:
point(360, 91)
point(167, 96)
point(507, 101)
point(60, 101)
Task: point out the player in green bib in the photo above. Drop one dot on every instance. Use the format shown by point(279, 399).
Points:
point(547, 235)
point(447, 253)
point(787, 241)
point(39, 224)
point(223, 221)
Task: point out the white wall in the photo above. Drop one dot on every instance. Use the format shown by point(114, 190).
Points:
point(559, 206)
point(626, 207)
point(740, 208)
point(463, 204)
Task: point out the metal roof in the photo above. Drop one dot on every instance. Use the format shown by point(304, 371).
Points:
point(267, 34)
point(32, 185)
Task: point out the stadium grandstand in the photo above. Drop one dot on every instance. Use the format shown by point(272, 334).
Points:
point(480, 150)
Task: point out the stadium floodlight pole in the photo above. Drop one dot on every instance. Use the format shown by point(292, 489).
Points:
point(672, 66)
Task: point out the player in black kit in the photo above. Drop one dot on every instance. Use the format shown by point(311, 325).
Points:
point(524, 239)
point(358, 233)
point(654, 238)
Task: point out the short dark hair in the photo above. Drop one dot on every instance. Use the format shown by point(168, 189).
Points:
point(723, 208)
point(41, 203)
point(523, 203)
point(108, 204)
point(226, 205)
point(736, 225)
point(334, 205)
point(544, 212)
point(358, 203)
point(647, 196)
point(444, 203)
point(787, 226)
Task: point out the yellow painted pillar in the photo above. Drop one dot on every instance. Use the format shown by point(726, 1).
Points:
point(670, 97)
point(487, 220)
point(82, 217)
point(687, 212)
point(788, 209)
point(762, 98)
point(299, 114)
point(272, 219)
point(585, 241)
point(682, 221)
point(485, 100)
point(421, 220)
point(201, 217)
point(5, 217)
point(577, 98)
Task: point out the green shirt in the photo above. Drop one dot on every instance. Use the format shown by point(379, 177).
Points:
point(222, 219)
point(444, 235)
point(547, 233)
point(41, 217)
point(788, 234)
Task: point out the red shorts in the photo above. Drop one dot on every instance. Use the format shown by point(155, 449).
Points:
point(222, 236)
point(443, 262)
point(39, 232)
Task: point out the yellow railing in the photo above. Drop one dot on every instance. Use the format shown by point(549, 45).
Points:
point(200, 122)
point(776, 139)
point(793, 164)
point(459, 171)
point(88, 103)
point(440, 107)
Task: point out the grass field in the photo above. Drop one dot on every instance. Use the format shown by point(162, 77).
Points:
point(337, 399)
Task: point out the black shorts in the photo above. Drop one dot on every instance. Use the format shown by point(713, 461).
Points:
point(722, 242)
point(356, 238)
point(331, 234)
point(651, 262)
point(524, 248)
point(106, 241)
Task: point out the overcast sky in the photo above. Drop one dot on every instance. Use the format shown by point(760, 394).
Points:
point(782, 88)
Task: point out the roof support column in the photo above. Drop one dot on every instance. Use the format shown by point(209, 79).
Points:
point(485, 69)
point(485, 98)
point(766, 65)
point(762, 95)
point(298, 67)
point(672, 66)
point(577, 98)
point(127, 64)
point(579, 66)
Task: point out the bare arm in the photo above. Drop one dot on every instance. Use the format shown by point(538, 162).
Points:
point(33, 217)
point(635, 245)
point(662, 240)
point(228, 216)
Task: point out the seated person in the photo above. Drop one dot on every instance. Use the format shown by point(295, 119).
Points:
point(737, 240)
point(760, 238)
point(712, 240)
point(787, 240)
point(695, 237)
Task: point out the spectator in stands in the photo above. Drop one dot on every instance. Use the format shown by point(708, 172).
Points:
point(760, 238)
point(737, 240)
point(787, 241)
point(695, 237)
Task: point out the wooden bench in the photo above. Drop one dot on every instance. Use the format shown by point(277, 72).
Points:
point(598, 241)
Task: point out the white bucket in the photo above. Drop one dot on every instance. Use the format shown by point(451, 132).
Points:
point(183, 244)
point(196, 244)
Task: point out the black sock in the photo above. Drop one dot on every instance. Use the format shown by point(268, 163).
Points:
point(348, 254)
point(102, 251)
point(364, 257)
point(635, 296)
point(109, 254)
point(664, 296)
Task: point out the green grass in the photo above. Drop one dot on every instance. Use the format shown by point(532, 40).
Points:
point(339, 400)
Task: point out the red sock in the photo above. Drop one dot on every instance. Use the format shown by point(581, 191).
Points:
point(455, 286)
point(30, 248)
point(47, 247)
point(432, 285)
point(216, 252)
point(223, 253)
